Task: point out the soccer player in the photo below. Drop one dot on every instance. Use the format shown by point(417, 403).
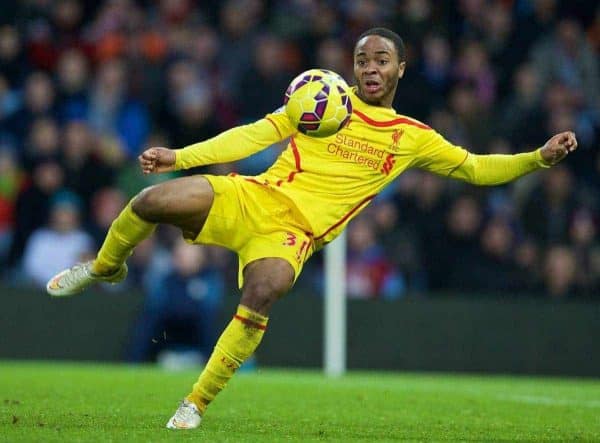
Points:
point(276, 220)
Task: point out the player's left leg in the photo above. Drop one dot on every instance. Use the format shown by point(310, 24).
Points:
point(183, 202)
point(265, 281)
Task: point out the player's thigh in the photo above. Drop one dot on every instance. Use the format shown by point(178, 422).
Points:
point(277, 257)
point(183, 202)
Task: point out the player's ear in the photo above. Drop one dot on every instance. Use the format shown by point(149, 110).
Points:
point(401, 67)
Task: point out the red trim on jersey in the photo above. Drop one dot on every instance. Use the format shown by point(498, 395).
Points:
point(253, 181)
point(291, 176)
point(345, 217)
point(396, 121)
point(296, 153)
point(459, 165)
point(276, 128)
point(250, 323)
point(296, 160)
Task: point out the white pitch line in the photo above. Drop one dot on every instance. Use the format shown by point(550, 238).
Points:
point(541, 400)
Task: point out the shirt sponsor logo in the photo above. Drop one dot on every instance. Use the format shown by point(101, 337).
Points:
point(356, 151)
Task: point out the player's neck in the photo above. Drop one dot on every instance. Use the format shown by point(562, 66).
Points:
point(385, 102)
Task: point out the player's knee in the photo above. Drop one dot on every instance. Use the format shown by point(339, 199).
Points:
point(261, 295)
point(147, 203)
point(265, 281)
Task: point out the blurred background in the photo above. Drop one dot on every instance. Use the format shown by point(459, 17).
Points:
point(85, 86)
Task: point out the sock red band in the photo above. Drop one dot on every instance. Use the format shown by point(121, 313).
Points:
point(250, 323)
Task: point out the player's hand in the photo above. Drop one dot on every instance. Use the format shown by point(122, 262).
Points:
point(154, 160)
point(558, 147)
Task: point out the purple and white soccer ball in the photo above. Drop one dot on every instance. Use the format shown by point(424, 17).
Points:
point(318, 102)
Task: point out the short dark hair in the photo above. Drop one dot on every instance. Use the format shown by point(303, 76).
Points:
point(390, 35)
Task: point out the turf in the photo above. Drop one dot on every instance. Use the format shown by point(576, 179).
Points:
point(88, 402)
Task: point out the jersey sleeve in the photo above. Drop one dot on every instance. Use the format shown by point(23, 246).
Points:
point(495, 169)
point(437, 155)
point(236, 143)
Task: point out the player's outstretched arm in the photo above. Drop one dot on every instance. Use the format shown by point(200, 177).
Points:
point(231, 145)
point(236, 143)
point(155, 160)
point(495, 169)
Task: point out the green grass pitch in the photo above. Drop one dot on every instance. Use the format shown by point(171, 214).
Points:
point(52, 402)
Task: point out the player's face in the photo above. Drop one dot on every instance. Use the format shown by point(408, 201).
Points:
point(377, 70)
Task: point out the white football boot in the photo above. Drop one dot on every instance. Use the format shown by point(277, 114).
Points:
point(75, 279)
point(186, 416)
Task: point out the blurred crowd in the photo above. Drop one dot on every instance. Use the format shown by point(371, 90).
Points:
point(86, 85)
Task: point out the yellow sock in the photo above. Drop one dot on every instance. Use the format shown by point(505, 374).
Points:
point(237, 342)
point(125, 233)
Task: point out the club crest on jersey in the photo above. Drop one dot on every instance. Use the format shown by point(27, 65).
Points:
point(396, 136)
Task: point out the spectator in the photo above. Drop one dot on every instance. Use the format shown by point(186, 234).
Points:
point(498, 31)
point(534, 18)
point(528, 258)
point(332, 54)
point(582, 233)
point(550, 207)
point(473, 69)
point(415, 19)
point(400, 245)
point(265, 80)
point(11, 180)
point(521, 116)
point(238, 33)
point(38, 101)
point(495, 270)
point(189, 295)
point(42, 142)
point(189, 115)
point(114, 112)
point(73, 78)
point(13, 64)
point(460, 239)
point(436, 64)
point(32, 205)
point(559, 272)
point(471, 116)
point(420, 209)
point(51, 248)
point(566, 56)
point(85, 170)
point(370, 273)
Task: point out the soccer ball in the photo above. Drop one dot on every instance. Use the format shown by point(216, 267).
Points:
point(318, 102)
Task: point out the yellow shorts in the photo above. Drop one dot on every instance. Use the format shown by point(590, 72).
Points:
point(251, 220)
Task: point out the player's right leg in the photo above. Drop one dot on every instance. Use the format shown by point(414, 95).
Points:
point(183, 202)
point(265, 281)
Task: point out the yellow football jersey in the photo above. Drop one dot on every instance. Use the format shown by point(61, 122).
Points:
point(330, 180)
